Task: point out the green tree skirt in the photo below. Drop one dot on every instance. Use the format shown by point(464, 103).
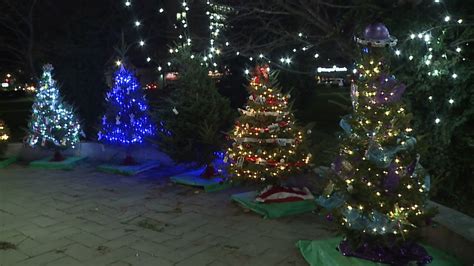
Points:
point(128, 169)
point(273, 210)
point(323, 252)
point(193, 178)
point(4, 162)
point(68, 164)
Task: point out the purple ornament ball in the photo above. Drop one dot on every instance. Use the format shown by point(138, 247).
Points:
point(330, 217)
point(376, 31)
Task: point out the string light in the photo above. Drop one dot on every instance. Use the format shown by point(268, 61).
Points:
point(265, 152)
point(376, 106)
point(217, 22)
point(427, 37)
point(53, 122)
point(4, 133)
point(126, 120)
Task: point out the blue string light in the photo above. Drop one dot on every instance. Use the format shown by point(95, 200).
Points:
point(126, 120)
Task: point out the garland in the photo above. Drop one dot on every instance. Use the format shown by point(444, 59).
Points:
point(279, 141)
point(253, 113)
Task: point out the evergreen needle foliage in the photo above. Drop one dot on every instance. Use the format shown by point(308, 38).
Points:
point(126, 120)
point(377, 173)
point(195, 116)
point(53, 123)
point(267, 142)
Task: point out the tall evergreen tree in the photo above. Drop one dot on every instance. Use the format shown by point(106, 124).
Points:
point(195, 115)
point(377, 175)
point(436, 60)
point(265, 138)
point(53, 123)
point(126, 121)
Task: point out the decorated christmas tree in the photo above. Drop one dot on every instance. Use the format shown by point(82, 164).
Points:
point(4, 136)
point(195, 116)
point(265, 138)
point(126, 120)
point(379, 184)
point(53, 124)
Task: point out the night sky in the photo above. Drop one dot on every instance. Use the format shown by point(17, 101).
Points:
point(78, 38)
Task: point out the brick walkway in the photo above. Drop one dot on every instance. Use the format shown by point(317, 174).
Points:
point(84, 217)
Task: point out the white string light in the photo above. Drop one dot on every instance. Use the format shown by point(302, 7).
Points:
point(218, 13)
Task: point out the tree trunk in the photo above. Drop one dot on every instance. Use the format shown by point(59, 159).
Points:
point(209, 172)
point(128, 160)
point(58, 156)
point(31, 40)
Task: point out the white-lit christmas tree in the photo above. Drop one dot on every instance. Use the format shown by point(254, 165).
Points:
point(53, 124)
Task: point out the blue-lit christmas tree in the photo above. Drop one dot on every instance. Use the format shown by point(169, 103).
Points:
point(53, 123)
point(126, 121)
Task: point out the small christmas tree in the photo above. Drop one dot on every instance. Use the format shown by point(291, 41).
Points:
point(126, 120)
point(4, 136)
point(195, 115)
point(266, 139)
point(53, 123)
point(377, 175)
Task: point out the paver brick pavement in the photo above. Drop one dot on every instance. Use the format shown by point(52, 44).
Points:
point(83, 217)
